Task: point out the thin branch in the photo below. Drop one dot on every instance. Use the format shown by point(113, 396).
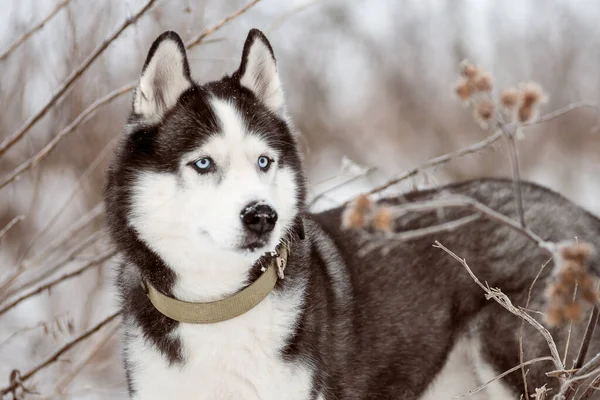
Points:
point(514, 166)
point(88, 112)
point(14, 138)
point(11, 224)
point(81, 118)
point(281, 19)
point(363, 174)
point(587, 338)
point(66, 381)
point(66, 258)
point(76, 187)
point(505, 302)
point(209, 31)
point(591, 389)
point(502, 375)
point(56, 356)
point(467, 202)
point(560, 112)
point(66, 235)
point(443, 159)
point(570, 330)
point(92, 263)
point(23, 38)
point(521, 355)
point(71, 255)
point(417, 233)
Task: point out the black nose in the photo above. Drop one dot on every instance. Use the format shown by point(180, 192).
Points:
point(259, 218)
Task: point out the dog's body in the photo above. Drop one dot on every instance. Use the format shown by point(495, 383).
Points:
point(209, 178)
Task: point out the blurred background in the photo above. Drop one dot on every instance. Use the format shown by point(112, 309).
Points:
point(369, 84)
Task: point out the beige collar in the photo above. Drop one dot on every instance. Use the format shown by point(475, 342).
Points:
point(228, 308)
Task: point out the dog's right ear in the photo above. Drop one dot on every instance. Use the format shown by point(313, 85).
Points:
point(165, 76)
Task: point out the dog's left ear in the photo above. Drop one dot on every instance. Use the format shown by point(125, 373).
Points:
point(258, 71)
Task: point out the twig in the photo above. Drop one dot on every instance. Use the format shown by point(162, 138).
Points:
point(587, 339)
point(209, 31)
point(443, 159)
point(14, 138)
point(11, 224)
point(55, 357)
point(591, 389)
point(68, 234)
point(96, 261)
point(502, 375)
point(66, 381)
point(26, 329)
point(514, 165)
point(467, 202)
point(418, 233)
point(521, 355)
point(88, 112)
point(70, 256)
point(560, 112)
point(505, 302)
point(363, 174)
point(66, 258)
point(80, 119)
point(279, 20)
point(568, 389)
point(570, 330)
point(21, 39)
point(78, 185)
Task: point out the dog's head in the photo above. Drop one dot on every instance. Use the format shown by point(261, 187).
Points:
point(206, 169)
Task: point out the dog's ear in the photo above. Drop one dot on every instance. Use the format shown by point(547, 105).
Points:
point(165, 76)
point(258, 71)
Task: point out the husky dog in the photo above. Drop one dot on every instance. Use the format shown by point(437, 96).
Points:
point(206, 187)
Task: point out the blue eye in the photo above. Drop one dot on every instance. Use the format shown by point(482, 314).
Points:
point(264, 163)
point(204, 164)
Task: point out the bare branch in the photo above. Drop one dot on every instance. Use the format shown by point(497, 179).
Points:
point(11, 224)
point(55, 357)
point(560, 112)
point(505, 302)
point(14, 138)
point(92, 263)
point(209, 31)
point(363, 174)
point(283, 17)
point(89, 112)
point(514, 166)
point(464, 201)
point(521, 355)
point(502, 375)
point(66, 381)
point(587, 338)
point(81, 118)
point(21, 39)
point(389, 239)
point(443, 159)
point(70, 256)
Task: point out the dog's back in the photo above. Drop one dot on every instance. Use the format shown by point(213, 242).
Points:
point(407, 306)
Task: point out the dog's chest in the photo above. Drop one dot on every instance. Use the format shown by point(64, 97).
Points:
point(235, 359)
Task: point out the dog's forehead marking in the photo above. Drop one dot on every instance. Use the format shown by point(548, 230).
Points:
point(231, 121)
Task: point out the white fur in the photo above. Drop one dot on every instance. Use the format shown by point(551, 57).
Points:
point(193, 222)
point(262, 78)
point(463, 371)
point(485, 372)
point(163, 79)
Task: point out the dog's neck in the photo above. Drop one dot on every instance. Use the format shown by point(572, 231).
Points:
point(213, 278)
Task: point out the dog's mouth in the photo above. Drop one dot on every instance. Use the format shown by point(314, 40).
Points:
point(255, 244)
